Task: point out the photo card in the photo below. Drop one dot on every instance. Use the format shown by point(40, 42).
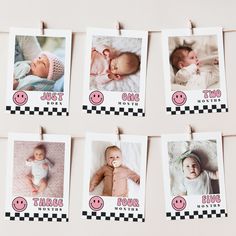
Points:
point(38, 178)
point(115, 72)
point(38, 80)
point(193, 174)
point(194, 71)
point(115, 176)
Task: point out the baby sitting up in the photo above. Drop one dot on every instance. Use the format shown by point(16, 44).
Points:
point(37, 179)
point(114, 174)
point(106, 65)
point(186, 66)
point(196, 180)
point(38, 75)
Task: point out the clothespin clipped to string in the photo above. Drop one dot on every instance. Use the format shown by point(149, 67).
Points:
point(41, 133)
point(191, 27)
point(118, 28)
point(118, 133)
point(42, 27)
point(190, 132)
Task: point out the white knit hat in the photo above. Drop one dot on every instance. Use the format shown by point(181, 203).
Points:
point(56, 66)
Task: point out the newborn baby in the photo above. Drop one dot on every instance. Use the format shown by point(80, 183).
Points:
point(114, 175)
point(107, 65)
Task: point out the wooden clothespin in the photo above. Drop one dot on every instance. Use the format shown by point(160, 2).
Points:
point(42, 27)
point(118, 27)
point(41, 133)
point(118, 133)
point(191, 26)
point(190, 132)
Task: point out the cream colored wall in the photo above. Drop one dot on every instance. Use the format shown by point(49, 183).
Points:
point(134, 14)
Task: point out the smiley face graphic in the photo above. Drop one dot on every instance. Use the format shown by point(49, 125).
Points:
point(96, 97)
point(20, 98)
point(19, 204)
point(179, 203)
point(179, 98)
point(96, 203)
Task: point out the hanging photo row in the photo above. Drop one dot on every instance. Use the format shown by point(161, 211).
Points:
point(38, 80)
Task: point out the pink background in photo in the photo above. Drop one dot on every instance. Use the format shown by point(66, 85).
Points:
point(55, 153)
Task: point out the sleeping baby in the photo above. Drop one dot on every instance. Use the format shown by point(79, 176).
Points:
point(187, 69)
point(114, 174)
point(107, 65)
point(38, 75)
point(37, 179)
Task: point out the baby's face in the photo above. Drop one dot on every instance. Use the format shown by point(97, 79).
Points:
point(40, 67)
point(191, 168)
point(190, 58)
point(121, 65)
point(114, 157)
point(39, 154)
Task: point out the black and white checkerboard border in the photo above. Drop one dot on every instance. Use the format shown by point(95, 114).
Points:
point(112, 216)
point(52, 217)
point(196, 214)
point(113, 110)
point(200, 109)
point(26, 110)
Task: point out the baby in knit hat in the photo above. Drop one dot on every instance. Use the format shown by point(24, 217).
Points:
point(196, 180)
point(114, 174)
point(40, 74)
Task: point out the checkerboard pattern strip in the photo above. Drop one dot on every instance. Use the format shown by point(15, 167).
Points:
point(112, 216)
point(113, 111)
point(197, 109)
point(196, 214)
point(20, 216)
point(25, 110)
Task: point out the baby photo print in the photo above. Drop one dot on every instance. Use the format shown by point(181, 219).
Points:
point(194, 176)
point(38, 72)
point(194, 71)
point(115, 72)
point(114, 185)
point(38, 178)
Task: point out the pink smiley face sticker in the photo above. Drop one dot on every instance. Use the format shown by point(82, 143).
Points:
point(96, 203)
point(20, 98)
point(19, 204)
point(179, 203)
point(179, 98)
point(96, 98)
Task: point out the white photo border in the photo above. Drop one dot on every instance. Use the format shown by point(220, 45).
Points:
point(191, 208)
point(58, 104)
point(113, 103)
point(110, 210)
point(197, 101)
point(33, 213)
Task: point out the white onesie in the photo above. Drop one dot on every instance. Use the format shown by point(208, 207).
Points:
point(189, 77)
point(199, 185)
point(38, 171)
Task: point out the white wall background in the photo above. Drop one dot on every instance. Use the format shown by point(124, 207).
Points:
point(134, 14)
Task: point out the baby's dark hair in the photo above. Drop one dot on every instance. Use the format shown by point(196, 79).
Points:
point(41, 147)
point(178, 55)
point(134, 61)
point(111, 147)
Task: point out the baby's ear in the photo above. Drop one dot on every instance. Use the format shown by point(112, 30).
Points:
point(180, 65)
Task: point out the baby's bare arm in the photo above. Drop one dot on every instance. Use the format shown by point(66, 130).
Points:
point(96, 179)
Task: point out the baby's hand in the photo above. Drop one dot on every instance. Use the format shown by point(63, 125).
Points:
point(30, 159)
point(91, 188)
point(106, 52)
point(216, 61)
point(137, 180)
point(45, 166)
